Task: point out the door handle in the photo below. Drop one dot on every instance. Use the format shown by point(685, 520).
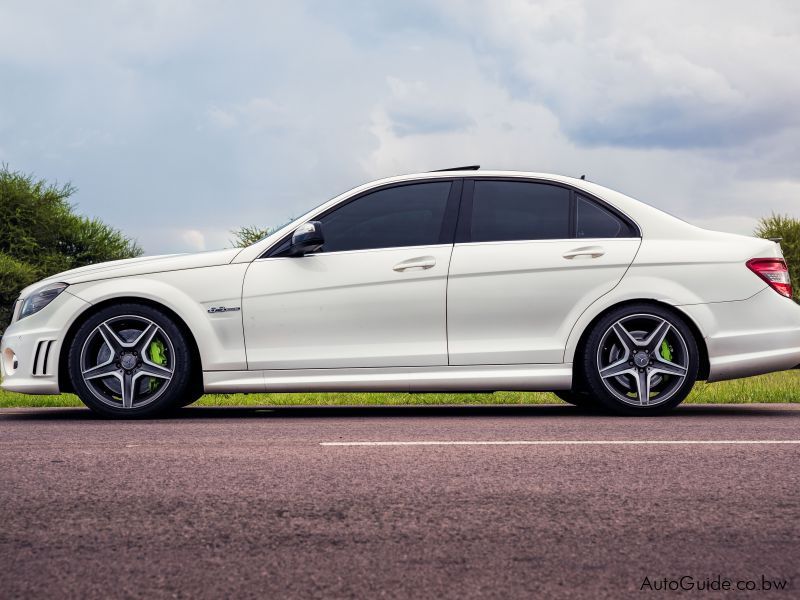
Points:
point(587, 251)
point(422, 262)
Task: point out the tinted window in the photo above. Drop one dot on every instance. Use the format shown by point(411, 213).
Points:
point(408, 215)
point(512, 210)
point(594, 221)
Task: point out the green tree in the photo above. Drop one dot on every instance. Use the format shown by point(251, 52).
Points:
point(248, 235)
point(40, 234)
point(787, 228)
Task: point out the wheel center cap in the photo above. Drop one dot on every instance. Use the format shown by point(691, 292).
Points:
point(128, 361)
point(641, 359)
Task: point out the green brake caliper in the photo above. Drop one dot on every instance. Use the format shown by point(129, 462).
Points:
point(158, 355)
point(666, 351)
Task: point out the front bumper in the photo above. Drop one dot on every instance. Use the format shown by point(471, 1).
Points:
point(30, 348)
point(749, 337)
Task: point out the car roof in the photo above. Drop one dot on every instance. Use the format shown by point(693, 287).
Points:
point(457, 172)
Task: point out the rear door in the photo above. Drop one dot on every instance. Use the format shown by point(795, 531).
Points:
point(530, 257)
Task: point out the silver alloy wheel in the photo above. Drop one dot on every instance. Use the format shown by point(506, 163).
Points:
point(643, 359)
point(127, 361)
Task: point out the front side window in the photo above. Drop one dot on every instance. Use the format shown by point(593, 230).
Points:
point(407, 215)
point(519, 210)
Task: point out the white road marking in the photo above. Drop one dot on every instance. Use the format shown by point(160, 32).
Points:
point(560, 443)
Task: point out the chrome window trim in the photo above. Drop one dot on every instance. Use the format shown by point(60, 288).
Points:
point(365, 250)
point(544, 241)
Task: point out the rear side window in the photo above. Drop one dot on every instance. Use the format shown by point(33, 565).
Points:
point(408, 215)
point(594, 221)
point(519, 210)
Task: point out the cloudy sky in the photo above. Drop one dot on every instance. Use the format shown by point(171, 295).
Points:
point(179, 121)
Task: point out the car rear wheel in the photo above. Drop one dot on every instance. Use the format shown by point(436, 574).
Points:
point(640, 360)
point(130, 360)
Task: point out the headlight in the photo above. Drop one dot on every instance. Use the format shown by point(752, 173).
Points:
point(40, 298)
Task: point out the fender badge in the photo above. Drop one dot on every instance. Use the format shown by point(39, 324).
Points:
point(221, 309)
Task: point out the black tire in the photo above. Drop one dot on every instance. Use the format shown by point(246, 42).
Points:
point(671, 377)
point(129, 368)
point(190, 399)
point(578, 398)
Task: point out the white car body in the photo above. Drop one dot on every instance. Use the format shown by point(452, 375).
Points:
point(443, 317)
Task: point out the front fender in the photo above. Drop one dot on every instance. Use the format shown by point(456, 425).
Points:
point(189, 294)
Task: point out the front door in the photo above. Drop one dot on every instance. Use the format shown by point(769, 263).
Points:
point(373, 296)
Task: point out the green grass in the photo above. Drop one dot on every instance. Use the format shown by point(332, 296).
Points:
point(772, 388)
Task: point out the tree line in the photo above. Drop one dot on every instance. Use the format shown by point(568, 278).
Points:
point(41, 234)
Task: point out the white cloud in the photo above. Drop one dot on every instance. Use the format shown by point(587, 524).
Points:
point(732, 224)
point(221, 118)
point(173, 119)
point(194, 239)
point(648, 74)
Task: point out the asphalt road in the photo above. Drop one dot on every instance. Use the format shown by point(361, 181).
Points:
point(253, 503)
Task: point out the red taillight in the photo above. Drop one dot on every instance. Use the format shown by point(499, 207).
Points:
point(774, 272)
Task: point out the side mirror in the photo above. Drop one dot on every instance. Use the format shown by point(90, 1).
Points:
point(306, 239)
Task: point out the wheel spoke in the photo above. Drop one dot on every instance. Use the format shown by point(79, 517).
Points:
point(128, 390)
point(618, 368)
point(654, 340)
point(143, 341)
point(643, 387)
point(668, 368)
point(629, 342)
point(152, 370)
point(112, 340)
point(105, 370)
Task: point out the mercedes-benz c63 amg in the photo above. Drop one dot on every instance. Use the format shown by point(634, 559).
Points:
point(460, 280)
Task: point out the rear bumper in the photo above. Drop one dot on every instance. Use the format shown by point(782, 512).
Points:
point(749, 337)
point(30, 348)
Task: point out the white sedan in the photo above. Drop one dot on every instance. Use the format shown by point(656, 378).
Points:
point(452, 281)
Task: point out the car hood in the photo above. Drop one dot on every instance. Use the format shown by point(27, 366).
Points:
point(139, 266)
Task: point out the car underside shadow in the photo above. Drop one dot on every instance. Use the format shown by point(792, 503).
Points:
point(303, 412)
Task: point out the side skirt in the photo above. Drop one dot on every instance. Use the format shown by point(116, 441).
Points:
point(397, 379)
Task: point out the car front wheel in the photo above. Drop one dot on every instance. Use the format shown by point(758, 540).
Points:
point(130, 360)
point(640, 360)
